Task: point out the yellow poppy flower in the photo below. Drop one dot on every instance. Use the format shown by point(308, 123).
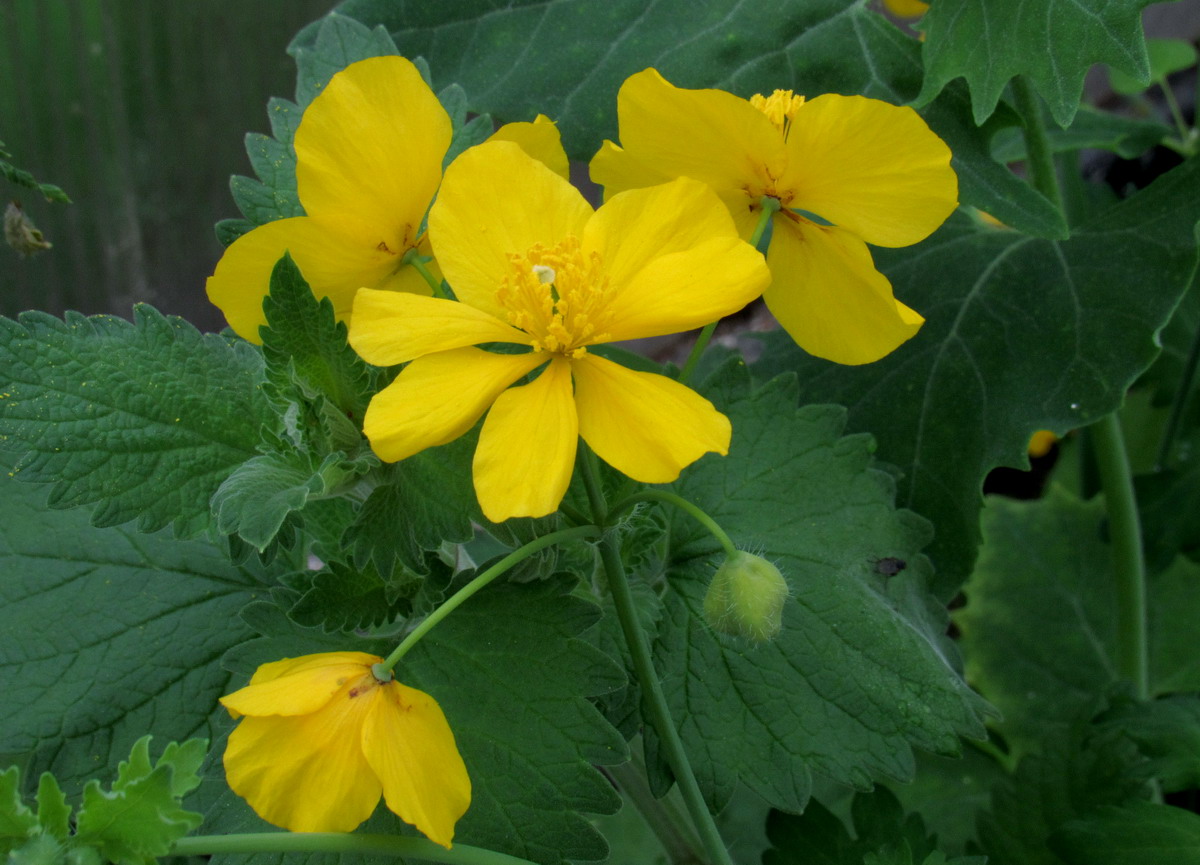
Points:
point(534, 265)
point(907, 8)
point(320, 739)
point(369, 153)
point(846, 170)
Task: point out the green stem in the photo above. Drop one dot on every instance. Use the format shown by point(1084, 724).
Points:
point(653, 699)
point(664, 820)
point(335, 842)
point(1178, 404)
point(478, 583)
point(770, 206)
point(1185, 131)
point(684, 505)
point(1128, 565)
point(1037, 147)
point(418, 262)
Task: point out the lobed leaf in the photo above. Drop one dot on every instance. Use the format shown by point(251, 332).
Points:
point(1134, 834)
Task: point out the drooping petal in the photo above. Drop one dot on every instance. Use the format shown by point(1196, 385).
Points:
point(540, 139)
point(497, 201)
point(869, 167)
point(297, 686)
point(410, 746)
point(646, 425)
point(307, 773)
point(710, 135)
point(673, 259)
point(527, 447)
point(369, 152)
point(390, 328)
point(827, 294)
point(334, 264)
point(437, 398)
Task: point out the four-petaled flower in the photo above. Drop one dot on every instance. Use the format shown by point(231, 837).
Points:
point(369, 153)
point(534, 266)
point(846, 171)
point(321, 738)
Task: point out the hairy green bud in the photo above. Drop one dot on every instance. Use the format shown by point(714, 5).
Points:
point(745, 598)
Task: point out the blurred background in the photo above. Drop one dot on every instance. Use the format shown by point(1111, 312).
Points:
point(138, 108)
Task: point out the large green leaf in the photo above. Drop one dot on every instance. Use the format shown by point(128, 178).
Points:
point(142, 420)
point(107, 633)
point(1137, 834)
point(1020, 335)
point(1039, 630)
point(1053, 43)
point(861, 672)
point(568, 58)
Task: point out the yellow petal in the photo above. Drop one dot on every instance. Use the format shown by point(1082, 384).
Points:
point(527, 447)
point(673, 258)
point(540, 139)
point(710, 135)
point(828, 295)
point(907, 8)
point(369, 152)
point(437, 398)
point(297, 686)
point(335, 265)
point(870, 167)
point(410, 746)
point(307, 773)
point(616, 169)
point(390, 328)
point(497, 200)
point(648, 426)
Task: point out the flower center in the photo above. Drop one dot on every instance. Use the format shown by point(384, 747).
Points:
point(557, 296)
point(780, 108)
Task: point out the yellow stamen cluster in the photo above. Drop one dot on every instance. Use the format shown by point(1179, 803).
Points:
point(780, 107)
point(558, 296)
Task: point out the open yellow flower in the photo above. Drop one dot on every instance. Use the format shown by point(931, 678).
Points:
point(846, 170)
point(369, 153)
point(320, 739)
point(533, 265)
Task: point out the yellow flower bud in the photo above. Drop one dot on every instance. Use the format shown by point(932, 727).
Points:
point(745, 598)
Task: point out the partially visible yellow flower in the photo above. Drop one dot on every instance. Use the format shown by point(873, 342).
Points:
point(1041, 442)
point(369, 153)
point(906, 8)
point(846, 170)
point(534, 266)
point(320, 739)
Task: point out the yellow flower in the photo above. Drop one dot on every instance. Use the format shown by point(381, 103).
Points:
point(369, 153)
point(906, 8)
point(1041, 442)
point(846, 171)
point(320, 739)
point(534, 266)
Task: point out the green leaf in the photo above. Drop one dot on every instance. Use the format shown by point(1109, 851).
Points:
point(39, 850)
point(273, 196)
point(344, 598)
point(1053, 44)
point(811, 46)
point(861, 672)
point(53, 814)
point(1039, 627)
point(1135, 834)
point(105, 633)
point(1127, 137)
point(140, 818)
point(1166, 56)
point(1021, 335)
point(142, 420)
point(21, 177)
point(17, 822)
point(1168, 732)
point(229, 230)
point(337, 41)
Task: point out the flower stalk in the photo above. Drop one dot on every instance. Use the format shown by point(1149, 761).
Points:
point(684, 505)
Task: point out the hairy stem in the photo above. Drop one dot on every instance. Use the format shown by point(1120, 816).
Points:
point(1037, 147)
point(684, 505)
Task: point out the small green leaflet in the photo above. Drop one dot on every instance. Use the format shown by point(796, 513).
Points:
point(142, 420)
point(861, 672)
point(1051, 42)
point(21, 177)
point(1136, 834)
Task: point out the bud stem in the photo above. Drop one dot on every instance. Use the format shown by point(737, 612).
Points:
point(684, 505)
point(418, 262)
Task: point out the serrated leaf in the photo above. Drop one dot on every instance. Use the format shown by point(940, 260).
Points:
point(274, 162)
point(229, 230)
point(21, 177)
point(1039, 630)
point(1053, 44)
point(39, 850)
point(105, 633)
point(140, 818)
point(336, 42)
point(1166, 56)
point(142, 420)
point(1135, 834)
point(861, 672)
point(1168, 732)
point(344, 598)
point(811, 46)
point(17, 822)
point(53, 812)
point(1021, 335)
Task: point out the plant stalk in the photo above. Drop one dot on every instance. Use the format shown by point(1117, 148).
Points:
point(684, 505)
point(1037, 147)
